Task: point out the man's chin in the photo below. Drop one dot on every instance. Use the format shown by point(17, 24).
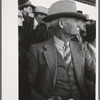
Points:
point(20, 25)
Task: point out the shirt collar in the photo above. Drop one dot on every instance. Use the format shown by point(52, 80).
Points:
point(35, 23)
point(58, 42)
point(92, 47)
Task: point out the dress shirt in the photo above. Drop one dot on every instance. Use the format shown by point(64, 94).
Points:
point(92, 47)
point(35, 23)
point(60, 46)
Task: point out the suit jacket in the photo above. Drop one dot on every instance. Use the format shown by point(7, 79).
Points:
point(92, 53)
point(90, 84)
point(42, 69)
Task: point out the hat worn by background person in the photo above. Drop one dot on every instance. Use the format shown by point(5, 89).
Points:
point(41, 10)
point(88, 20)
point(26, 33)
point(63, 9)
point(40, 29)
point(25, 3)
point(20, 2)
point(40, 13)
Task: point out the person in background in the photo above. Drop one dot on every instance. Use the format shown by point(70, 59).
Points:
point(88, 20)
point(27, 35)
point(90, 38)
point(27, 8)
point(20, 23)
point(28, 13)
point(40, 27)
point(40, 13)
point(83, 26)
point(82, 30)
point(23, 63)
point(20, 18)
point(58, 67)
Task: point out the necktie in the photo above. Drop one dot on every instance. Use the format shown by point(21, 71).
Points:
point(67, 53)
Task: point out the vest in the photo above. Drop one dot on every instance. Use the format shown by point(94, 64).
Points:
point(66, 85)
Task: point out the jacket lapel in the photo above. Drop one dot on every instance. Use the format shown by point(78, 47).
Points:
point(76, 50)
point(51, 58)
point(78, 60)
point(91, 52)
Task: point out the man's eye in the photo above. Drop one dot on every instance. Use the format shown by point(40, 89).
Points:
point(20, 17)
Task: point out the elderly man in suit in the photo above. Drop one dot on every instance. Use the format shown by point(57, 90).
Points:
point(59, 66)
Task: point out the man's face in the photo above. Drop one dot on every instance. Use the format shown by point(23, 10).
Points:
point(20, 18)
point(82, 28)
point(40, 17)
point(70, 26)
point(29, 9)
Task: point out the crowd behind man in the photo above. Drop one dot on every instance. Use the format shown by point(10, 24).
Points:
point(42, 29)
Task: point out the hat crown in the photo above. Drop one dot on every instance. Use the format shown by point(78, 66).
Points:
point(40, 9)
point(62, 7)
point(25, 4)
point(86, 15)
point(21, 2)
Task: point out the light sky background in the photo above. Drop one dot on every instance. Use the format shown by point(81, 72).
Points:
point(87, 9)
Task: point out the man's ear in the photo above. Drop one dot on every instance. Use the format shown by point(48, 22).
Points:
point(61, 23)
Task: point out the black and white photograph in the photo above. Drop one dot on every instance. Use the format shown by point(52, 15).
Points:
point(52, 50)
point(57, 50)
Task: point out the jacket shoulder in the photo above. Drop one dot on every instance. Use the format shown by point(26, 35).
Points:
point(38, 46)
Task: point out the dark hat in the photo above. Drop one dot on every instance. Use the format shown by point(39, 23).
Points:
point(25, 3)
point(20, 2)
point(64, 8)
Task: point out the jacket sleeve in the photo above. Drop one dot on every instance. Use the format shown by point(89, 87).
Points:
point(90, 66)
point(32, 73)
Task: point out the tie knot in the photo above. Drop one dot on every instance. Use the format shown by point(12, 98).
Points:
point(66, 45)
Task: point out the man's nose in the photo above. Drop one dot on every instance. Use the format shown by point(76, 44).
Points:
point(22, 19)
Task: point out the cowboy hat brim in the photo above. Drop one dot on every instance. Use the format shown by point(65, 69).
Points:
point(41, 13)
point(67, 14)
